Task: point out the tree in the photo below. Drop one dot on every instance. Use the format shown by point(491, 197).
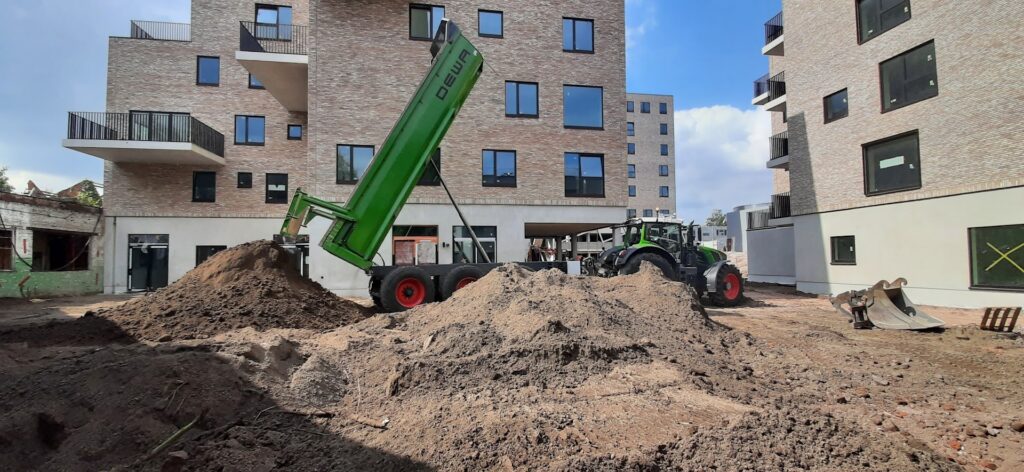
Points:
point(716, 218)
point(5, 184)
point(89, 195)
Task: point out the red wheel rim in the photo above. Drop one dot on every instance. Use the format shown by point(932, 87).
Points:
point(410, 292)
point(732, 286)
point(463, 282)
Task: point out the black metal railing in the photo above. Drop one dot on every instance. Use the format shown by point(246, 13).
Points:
point(780, 206)
point(773, 29)
point(758, 219)
point(777, 86)
point(779, 145)
point(273, 37)
point(161, 31)
point(761, 86)
point(145, 126)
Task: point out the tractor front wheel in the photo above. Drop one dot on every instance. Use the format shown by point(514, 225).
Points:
point(728, 287)
point(632, 266)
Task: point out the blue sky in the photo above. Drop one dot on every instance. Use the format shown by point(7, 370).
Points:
point(705, 53)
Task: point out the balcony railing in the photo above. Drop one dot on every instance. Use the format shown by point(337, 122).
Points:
point(145, 126)
point(777, 86)
point(773, 29)
point(758, 219)
point(273, 38)
point(761, 86)
point(161, 31)
point(779, 145)
point(780, 206)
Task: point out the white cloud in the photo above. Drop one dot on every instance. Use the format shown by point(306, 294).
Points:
point(720, 156)
point(637, 27)
point(46, 181)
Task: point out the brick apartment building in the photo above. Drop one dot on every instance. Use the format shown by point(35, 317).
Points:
point(650, 154)
point(898, 149)
point(306, 90)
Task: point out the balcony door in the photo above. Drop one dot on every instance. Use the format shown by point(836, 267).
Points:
point(159, 126)
point(273, 22)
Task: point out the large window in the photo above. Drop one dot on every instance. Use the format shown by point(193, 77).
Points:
point(205, 252)
point(997, 256)
point(631, 170)
point(499, 168)
point(892, 164)
point(204, 187)
point(424, 20)
point(413, 245)
point(844, 250)
point(836, 106)
point(583, 106)
point(630, 129)
point(249, 130)
point(208, 70)
point(491, 24)
point(277, 188)
point(521, 99)
point(663, 171)
point(463, 249)
point(909, 78)
point(584, 175)
point(273, 22)
point(352, 161)
point(430, 175)
point(59, 251)
point(6, 249)
point(577, 35)
point(875, 17)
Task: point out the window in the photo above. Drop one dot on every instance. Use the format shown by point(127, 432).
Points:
point(245, 180)
point(430, 175)
point(892, 164)
point(204, 252)
point(273, 22)
point(577, 35)
point(631, 170)
point(630, 129)
point(521, 99)
point(352, 161)
point(463, 249)
point(499, 168)
point(875, 17)
point(663, 191)
point(204, 187)
point(632, 190)
point(630, 107)
point(631, 213)
point(295, 132)
point(664, 149)
point(413, 245)
point(277, 188)
point(645, 107)
point(663, 129)
point(997, 256)
point(424, 20)
point(663, 170)
point(836, 106)
point(255, 83)
point(584, 175)
point(648, 213)
point(6, 249)
point(844, 250)
point(59, 251)
point(630, 148)
point(249, 130)
point(583, 107)
point(664, 212)
point(909, 78)
point(663, 108)
point(491, 24)
point(208, 71)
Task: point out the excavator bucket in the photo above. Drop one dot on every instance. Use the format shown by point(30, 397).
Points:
point(886, 306)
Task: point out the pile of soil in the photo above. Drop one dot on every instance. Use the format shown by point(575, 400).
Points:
point(253, 284)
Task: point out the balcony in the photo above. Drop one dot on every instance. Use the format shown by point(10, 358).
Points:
point(144, 137)
point(760, 91)
point(161, 31)
point(773, 40)
point(770, 92)
point(778, 157)
point(780, 214)
point(758, 219)
point(277, 56)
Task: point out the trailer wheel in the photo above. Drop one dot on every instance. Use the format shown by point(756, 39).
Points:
point(405, 288)
point(458, 278)
point(729, 290)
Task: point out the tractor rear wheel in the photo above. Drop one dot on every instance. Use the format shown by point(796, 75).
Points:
point(405, 288)
point(728, 287)
point(458, 278)
point(632, 266)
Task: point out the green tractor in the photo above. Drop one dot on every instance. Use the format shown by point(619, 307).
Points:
point(675, 248)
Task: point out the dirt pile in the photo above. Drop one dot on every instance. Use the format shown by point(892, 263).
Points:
point(253, 284)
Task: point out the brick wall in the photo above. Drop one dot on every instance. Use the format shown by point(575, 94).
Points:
point(648, 153)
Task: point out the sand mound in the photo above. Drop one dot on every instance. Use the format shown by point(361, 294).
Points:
point(253, 284)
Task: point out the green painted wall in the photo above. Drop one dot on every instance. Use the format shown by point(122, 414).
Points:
point(51, 284)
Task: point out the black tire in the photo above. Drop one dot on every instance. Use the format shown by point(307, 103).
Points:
point(459, 277)
point(405, 288)
point(632, 266)
point(728, 287)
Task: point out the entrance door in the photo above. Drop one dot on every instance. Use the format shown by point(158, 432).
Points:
point(147, 261)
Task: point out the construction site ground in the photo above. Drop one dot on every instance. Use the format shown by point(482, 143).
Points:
point(780, 383)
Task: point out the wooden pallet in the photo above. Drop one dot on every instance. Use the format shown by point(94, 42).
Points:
point(1000, 319)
